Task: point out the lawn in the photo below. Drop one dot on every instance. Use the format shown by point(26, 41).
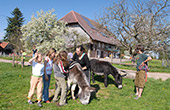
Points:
point(154, 66)
point(14, 86)
point(10, 58)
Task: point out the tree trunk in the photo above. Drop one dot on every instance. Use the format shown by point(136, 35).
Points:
point(163, 62)
point(13, 60)
point(167, 62)
point(120, 59)
point(16, 60)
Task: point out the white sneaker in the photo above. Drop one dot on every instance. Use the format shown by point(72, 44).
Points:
point(136, 94)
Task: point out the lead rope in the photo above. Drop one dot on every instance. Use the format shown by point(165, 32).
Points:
point(73, 64)
point(146, 70)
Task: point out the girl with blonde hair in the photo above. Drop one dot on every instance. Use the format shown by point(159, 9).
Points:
point(36, 78)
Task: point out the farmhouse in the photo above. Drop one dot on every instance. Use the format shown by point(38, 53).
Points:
point(99, 42)
point(5, 48)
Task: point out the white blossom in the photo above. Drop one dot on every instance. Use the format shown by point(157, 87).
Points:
point(45, 31)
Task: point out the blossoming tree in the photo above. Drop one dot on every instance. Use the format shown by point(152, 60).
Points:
point(45, 31)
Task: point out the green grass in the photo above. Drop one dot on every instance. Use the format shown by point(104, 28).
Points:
point(10, 58)
point(15, 82)
point(154, 66)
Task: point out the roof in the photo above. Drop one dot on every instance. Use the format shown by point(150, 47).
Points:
point(91, 28)
point(4, 44)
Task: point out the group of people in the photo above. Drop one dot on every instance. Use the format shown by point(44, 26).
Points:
point(41, 74)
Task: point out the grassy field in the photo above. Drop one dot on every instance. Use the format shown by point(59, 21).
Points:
point(154, 66)
point(10, 58)
point(14, 86)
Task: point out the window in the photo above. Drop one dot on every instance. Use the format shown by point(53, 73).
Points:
point(113, 47)
point(104, 34)
point(99, 44)
point(91, 46)
point(102, 45)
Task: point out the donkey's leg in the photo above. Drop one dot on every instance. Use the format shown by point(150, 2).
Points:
point(93, 77)
point(105, 79)
point(80, 90)
point(72, 91)
point(69, 83)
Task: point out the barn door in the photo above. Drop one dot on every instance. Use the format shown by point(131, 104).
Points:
point(102, 54)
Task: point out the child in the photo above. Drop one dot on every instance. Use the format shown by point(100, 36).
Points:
point(48, 66)
point(60, 63)
point(23, 57)
point(140, 74)
point(36, 78)
point(34, 50)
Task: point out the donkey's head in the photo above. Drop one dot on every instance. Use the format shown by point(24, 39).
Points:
point(85, 94)
point(118, 81)
point(118, 78)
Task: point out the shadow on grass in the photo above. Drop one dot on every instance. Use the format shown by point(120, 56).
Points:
point(101, 79)
point(93, 94)
point(69, 97)
point(51, 98)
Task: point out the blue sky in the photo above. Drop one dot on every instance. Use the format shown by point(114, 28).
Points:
point(88, 8)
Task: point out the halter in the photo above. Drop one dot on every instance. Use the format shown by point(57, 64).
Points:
point(73, 64)
point(146, 70)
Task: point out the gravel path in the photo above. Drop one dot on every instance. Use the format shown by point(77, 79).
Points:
point(155, 75)
point(10, 61)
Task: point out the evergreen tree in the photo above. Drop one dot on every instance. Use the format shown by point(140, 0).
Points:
point(13, 31)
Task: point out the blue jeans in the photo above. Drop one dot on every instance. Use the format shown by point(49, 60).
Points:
point(33, 55)
point(45, 96)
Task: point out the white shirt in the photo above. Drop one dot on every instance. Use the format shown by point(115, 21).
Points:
point(37, 68)
point(49, 66)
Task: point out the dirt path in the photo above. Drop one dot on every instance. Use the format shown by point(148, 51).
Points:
point(164, 76)
point(130, 73)
point(10, 61)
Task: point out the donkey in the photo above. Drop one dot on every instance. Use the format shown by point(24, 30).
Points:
point(105, 68)
point(77, 77)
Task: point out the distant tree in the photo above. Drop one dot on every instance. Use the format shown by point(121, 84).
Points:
point(75, 39)
point(45, 32)
point(143, 22)
point(13, 30)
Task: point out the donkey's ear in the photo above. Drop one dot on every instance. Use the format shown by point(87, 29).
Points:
point(122, 73)
point(91, 89)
